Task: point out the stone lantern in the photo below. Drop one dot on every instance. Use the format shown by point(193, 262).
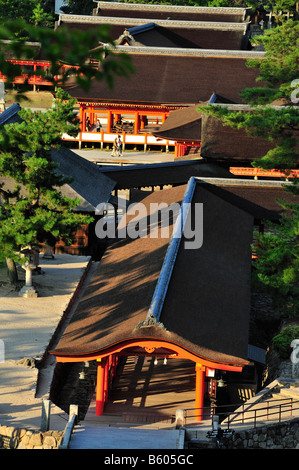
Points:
point(28, 290)
point(295, 359)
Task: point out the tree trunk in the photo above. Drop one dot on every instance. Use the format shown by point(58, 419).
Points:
point(12, 271)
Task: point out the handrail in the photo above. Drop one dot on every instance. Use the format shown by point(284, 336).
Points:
point(286, 405)
point(69, 427)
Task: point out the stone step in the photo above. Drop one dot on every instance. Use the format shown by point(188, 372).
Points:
point(94, 437)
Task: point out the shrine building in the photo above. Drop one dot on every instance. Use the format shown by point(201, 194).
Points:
point(180, 55)
point(191, 304)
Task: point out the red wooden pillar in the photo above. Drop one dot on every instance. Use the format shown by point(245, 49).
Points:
point(136, 125)
point(113, 365)
point(109, 121)
point(199, 391)
point(100, 392)
point(81, 118)
point(106, 379)
point(84, 120)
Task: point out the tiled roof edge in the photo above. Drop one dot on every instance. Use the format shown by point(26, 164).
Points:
point(191, 52)
point(179, 8)
point(85, 19)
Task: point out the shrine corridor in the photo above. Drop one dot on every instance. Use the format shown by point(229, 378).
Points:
point(144, 392)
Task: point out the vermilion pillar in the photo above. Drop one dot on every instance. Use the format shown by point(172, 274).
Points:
point(100, 391)
point(136, 124)
point(109, 121)
point(106, 379)
point(199, 391)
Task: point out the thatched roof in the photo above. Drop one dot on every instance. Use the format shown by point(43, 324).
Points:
point(175, 77)
point(166, 33)
point(225, 143)
point(160, 174)
point(174, 12)
point(182, 124)
point(218, 142)
point(206, 308)
point(89, 185)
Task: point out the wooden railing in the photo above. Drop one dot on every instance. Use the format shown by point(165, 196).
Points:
point(104, 138)
point(257, 172)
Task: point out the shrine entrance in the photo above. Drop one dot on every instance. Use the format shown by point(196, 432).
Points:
point(155, 351)
point(149, 390)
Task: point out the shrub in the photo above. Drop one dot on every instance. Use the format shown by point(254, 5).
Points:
point(282, 341)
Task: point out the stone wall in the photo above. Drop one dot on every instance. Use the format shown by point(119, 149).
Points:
point(14, 438)
point(283, 435)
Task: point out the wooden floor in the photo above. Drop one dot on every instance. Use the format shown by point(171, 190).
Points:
point(143, 392)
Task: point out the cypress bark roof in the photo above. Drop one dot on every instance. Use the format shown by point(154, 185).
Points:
point(174, 12)
point(164, 33)
point(89, 185)
point(206, 308)
point(177, 77)
point(173, 173)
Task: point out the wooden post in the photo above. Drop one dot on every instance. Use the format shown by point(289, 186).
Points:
point(45, 422)
point(136, 125)
point(199, 391)
point(100, 395)
point(109, 121)
point(113, 366)
point(106, 381)
point(102, 139)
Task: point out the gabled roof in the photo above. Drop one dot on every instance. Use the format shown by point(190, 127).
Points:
point(156, 288)
point(174, 12)
point(167, 33)
point(153, 35)
point(89, 185)
point(161, 174)
point(221, 142)
point(182, 124)
point(218, 142)
point(256, 197)
point(177, 77)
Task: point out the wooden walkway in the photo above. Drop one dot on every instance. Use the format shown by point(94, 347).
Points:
point(145, 393)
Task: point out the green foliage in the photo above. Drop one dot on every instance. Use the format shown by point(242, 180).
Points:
point(282, 341)
point(276, 125)
point(276, 269)
point(78, 7)
point(11, 9)
point(35, 211)
point(281, 45)
point(40, 17)
point(278, 70)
